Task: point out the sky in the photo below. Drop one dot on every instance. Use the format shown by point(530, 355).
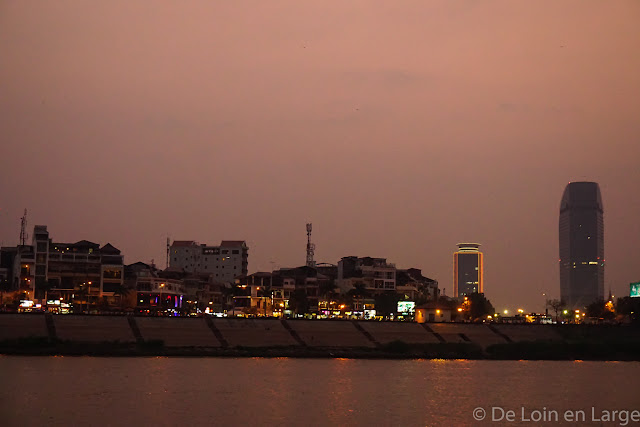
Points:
point(397, 128)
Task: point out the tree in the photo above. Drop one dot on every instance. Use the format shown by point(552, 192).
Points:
point(19, 296)
point(5, 286)
point(327, 289)
point(480, 307)
point(298, 302)
point(629, 306)
point(265, 293)
point(359, 292)
point(596, 309)
point(121, 292)
point(81, 294)
point(230, 291)
point(46, 286)
point(387, 303)
point(103, 304)
point(556, 305)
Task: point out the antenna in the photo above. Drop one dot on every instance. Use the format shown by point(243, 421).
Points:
point(168, 250)
point(23, 229)
point(310, 248)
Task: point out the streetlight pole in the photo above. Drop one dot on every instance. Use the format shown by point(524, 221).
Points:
point(160, 296)
point(89, 299)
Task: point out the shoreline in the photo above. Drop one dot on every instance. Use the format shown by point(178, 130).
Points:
point(131, 336)
point(397, 350)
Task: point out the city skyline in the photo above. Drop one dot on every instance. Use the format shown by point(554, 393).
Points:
point(245, 123)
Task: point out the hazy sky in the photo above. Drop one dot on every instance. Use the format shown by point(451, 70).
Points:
point(399, 128)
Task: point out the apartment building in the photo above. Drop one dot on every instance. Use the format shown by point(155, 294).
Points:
point(224, 262)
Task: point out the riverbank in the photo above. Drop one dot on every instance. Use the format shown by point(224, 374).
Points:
point(71, 335)
point(531, 350)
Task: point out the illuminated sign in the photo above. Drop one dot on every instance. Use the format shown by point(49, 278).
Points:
point(406, 306)
point(210, 251)
point(634, 289)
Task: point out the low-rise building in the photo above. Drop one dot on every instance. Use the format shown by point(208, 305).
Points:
point(376, 275)
point(433, 312)
point(203, 294)
point(416, 287)
point(48, 270)
point(155, 295)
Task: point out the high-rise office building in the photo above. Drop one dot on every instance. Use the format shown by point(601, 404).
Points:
point(468, 271)
point(581, 233)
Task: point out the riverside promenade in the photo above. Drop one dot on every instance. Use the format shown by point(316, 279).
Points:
point(242, 336)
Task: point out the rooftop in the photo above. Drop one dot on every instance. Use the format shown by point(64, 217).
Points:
point(183, 243)
point(233, 243)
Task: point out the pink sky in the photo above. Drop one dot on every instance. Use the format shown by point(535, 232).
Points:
point(398, 128)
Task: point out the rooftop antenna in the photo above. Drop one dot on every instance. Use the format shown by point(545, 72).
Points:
point(310, 248)
point(168, 250)
point(23, 229)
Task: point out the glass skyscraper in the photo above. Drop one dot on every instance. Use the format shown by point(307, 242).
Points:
point(468, 274)
point(581, 234)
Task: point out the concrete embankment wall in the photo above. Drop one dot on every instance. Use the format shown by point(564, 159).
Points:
point(210, 332)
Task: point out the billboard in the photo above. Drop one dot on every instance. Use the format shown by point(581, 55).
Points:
point(634, 289)
point(406, 306)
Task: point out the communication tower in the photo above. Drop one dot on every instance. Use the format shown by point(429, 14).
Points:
point(23, 229)
point(310, 248)
point(168, 250)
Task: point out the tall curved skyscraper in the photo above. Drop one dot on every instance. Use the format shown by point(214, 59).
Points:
point(581, 245)
point(468, 270)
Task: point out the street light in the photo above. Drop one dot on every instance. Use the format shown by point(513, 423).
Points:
point(89, 298)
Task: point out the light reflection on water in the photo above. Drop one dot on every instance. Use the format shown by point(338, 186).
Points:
point(256, 391)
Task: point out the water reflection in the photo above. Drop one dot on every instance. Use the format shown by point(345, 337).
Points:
point(210, 391)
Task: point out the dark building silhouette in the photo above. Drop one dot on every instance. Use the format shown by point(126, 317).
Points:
point(581, 235)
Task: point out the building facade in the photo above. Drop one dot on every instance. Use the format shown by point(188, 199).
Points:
point(46, 269)
point(581, 238)
point(468, 270)
point(155, 295)
point(414, 286)
point(375, 274)
point(224, 262)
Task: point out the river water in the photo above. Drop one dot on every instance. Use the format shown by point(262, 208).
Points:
point(39, 391)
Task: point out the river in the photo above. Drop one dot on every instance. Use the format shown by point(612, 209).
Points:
point(38, 391)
